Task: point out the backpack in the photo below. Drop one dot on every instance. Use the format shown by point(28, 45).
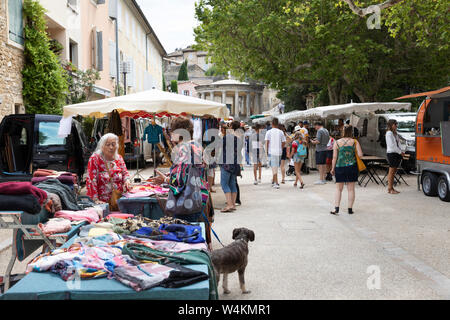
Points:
point(301, 150)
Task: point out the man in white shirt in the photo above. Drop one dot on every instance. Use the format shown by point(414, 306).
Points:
point(275, 142)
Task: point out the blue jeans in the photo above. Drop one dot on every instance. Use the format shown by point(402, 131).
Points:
point(228, 181)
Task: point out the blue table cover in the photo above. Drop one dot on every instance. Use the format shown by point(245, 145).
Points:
point(50, 286)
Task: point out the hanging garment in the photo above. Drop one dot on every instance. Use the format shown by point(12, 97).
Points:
point(198, 135)
point(153, 134)
point(126, 127)
point(115, 124)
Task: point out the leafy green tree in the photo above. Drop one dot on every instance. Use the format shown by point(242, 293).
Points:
point(324, 43)
point(80, 83)
point(183, 73)
point(174, 86)
point(164, 88)
point(44, 80)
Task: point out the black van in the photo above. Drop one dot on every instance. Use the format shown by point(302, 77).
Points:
point(29, 142)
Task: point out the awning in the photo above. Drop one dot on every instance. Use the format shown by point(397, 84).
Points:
point(440, 93)
point(151, 102)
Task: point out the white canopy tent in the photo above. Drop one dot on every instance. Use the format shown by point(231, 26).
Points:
point(152, 102)
point(341, 111)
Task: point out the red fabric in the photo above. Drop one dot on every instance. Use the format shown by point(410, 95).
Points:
point(19, 188)
point(98, 183)
point(44, 173)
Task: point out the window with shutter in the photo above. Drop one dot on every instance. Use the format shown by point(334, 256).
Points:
point(100, 51)
point(15, 18)
point(112, 59)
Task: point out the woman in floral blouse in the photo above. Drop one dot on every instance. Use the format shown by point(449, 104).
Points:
point(98, 182)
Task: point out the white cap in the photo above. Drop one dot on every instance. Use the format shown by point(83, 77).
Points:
point(297, 128)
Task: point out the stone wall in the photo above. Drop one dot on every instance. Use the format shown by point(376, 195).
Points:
point(11, 64)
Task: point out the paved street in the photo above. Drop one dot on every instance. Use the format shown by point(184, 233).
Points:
point(303, 252)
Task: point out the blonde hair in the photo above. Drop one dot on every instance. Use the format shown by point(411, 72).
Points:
point(103, 141)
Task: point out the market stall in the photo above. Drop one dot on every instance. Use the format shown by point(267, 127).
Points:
point(123, 262)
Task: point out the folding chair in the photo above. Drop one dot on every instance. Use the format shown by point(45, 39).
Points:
point(398, 178)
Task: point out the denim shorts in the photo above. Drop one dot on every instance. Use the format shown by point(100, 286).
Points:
point(274, 161)
point(228, 181)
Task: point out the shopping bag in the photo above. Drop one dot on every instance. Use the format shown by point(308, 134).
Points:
point(359, 162)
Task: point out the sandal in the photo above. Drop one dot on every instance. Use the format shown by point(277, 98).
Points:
point(393, 191)
point(334, 212)
point(302, 185)
point(295, 185)
point(226, 210)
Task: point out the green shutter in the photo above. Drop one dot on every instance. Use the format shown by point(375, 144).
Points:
point(15, 17)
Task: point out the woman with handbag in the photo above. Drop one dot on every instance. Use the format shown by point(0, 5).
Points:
point(187, 179)
point(107, 174)
point(345, 167)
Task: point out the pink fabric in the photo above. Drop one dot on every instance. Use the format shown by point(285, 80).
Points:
point(120, 216)
point(169, 246)
point(140, 194)
point(89, 215)
point(20, 188)
point(57, 225)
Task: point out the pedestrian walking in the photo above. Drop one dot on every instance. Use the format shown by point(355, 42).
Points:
point(275, 142)
point(321, 142)
point(345, 168)
point(298, 154)
point(230, 167)
point(256, 147)
point(394, 153)
point(284, 153)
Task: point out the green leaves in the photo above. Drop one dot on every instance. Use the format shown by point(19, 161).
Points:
point(44, 81)
point(297, 43)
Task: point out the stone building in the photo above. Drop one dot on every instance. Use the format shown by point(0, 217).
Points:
point(11, 58)
point(242, 99)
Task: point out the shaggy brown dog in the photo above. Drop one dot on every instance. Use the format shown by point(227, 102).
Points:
point(233, 258)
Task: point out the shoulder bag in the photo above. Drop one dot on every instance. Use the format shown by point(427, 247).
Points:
point(189, 201)
point(115, 195)
point(359, 162)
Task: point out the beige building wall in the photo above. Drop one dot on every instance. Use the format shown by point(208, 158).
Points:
point(64, 25)
point(11, 63)
point(139, 46)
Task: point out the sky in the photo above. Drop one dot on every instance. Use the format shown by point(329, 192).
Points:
point(172, 20)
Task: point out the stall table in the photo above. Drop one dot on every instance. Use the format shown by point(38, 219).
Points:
point(49, 286)
point(147, 207)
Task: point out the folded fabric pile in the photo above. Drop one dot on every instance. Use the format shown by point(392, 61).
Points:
point(90, 215)
point(146, 190)
point(65, 193)
point(55, 225)
point(135, 223)
point(146, 276)
point(172, 232)
point(67, 178)
point(21, 196)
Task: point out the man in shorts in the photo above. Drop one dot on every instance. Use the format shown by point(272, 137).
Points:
point(275, 143)
point(321, 142)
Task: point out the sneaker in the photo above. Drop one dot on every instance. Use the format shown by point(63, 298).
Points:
point(320, 182)
point(276, 186)
point(256, 182)
point(259, 181)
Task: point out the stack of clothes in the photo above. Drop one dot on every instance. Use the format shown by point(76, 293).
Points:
point(67, 178)
point(147, 189)
point(137, 262)
point(22, 196)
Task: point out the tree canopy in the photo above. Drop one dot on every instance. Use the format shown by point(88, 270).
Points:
point(325, 44)
point(183, 73)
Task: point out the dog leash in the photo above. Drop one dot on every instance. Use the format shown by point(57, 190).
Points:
point(215, 234)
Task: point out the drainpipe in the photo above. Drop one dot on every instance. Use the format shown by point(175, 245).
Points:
point(146, 50)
